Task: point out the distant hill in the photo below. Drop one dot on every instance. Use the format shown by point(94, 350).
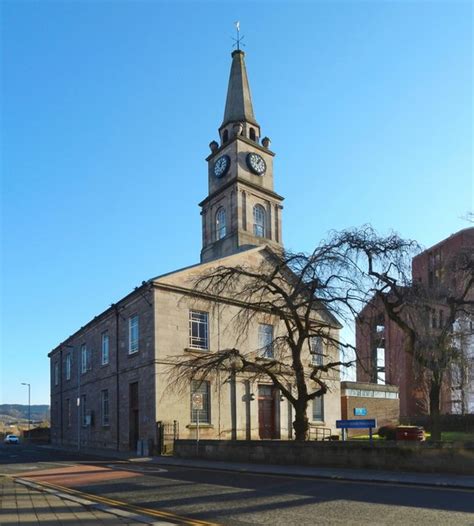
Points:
point(20, 412)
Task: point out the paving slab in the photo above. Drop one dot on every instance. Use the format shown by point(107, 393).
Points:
point(22, 504)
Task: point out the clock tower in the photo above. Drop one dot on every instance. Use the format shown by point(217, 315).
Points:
point(242, 210)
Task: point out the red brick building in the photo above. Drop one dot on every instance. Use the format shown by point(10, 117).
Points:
point(380, 342)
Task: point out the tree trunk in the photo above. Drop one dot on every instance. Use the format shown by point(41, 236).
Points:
point(301, 423)
point(435, 391)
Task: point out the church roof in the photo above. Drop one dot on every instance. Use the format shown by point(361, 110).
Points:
point(238, 106)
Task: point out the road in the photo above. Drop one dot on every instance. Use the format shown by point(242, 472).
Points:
point(237, 499)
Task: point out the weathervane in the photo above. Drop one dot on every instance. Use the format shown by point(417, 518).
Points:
point(239, 39)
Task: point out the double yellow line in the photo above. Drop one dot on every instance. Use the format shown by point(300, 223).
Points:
point(124, 505)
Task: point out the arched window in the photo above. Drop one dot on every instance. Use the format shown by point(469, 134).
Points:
point(221, 229)
point(259, 219)
point(225, 136)
point(252, 134)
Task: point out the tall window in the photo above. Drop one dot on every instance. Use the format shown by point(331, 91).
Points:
point(202, 388)
point(221, 228)
point(133, 334)
point(56, 373)
point(105, 347)
point(265, 340)
point(68, 366)
point(381, 365)
point(68, 412)
point(85, 358)
point(105, 406)
point(259, 219)
point(318, 409)
point(198, 329)
point(83, 410)
point(316, 343)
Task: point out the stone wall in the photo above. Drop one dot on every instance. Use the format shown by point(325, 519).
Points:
point(421, 457)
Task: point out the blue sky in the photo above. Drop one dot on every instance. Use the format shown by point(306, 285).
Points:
point(108, 108)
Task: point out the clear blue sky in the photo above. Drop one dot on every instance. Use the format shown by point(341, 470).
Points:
point(108, 109)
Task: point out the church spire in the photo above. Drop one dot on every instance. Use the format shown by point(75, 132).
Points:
point(238, 106)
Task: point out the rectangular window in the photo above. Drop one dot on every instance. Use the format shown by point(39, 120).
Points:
point(381, 365)
point(56, 373)
point(198, 329)
point(105, 347)
point(133, 334)
point(68, 366)
point(203, 389)
point(68, 412)
point(83, 410)
point(317, 356)
point(318, 409)
point(265, 340)
point(86, 364)
point(105, 407)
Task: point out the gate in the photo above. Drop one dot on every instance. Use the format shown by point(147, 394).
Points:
point(166, 434)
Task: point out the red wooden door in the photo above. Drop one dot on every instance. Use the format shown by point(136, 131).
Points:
point(266, 411)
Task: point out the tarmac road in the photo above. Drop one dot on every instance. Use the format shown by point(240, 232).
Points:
point(238, 499)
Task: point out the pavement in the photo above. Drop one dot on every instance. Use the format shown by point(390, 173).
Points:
point(23, 502)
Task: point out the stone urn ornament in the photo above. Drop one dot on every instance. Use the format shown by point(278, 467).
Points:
point(214, 146)
point(266, 142)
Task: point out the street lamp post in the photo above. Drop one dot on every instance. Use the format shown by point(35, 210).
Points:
point(29, 407)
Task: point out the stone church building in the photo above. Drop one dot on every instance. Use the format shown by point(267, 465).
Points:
point(110, 380)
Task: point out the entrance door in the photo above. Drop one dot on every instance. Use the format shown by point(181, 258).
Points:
point(268, 417)
point(133, 416)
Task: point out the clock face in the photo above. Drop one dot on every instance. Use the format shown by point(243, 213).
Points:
point(221, 166)
point(256, 163)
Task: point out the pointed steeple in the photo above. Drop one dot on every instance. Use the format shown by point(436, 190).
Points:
point(238, 106)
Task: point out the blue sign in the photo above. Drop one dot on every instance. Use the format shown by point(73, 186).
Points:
point(360, 411)
point(356, 424)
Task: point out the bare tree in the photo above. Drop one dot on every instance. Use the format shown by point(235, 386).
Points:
point(426, 313)
point(307, 294)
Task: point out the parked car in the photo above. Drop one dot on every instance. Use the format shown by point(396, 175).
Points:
point(11, 439)
point(410, 433)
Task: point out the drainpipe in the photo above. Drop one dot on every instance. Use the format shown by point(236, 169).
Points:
point(117, 383)
point(248, 399)
point(233, 404)
point(61, 393)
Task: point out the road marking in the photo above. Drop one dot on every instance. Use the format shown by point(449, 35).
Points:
point(139, 469)
point(124, 505)
point(26, 468)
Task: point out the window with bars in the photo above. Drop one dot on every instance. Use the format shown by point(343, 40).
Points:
point(221, 226)
point(83, 410)
point(198, 329)
point(317, 350)
point(318, 409)
point(202, 388)
point(85, 358)
point(105, 407)
point(133, 334)
point(265, 340)
point(68, 366)
point(56, 373)
point(68, 412)
point(259, 220)
point(105, 347)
